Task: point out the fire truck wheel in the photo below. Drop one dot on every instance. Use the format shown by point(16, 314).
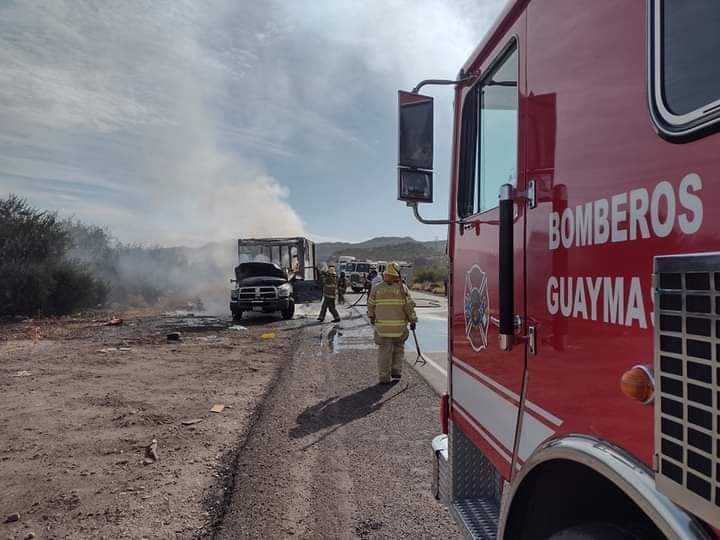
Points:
point(596, 531)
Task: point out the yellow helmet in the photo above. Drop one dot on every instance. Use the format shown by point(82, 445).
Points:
point(392, 270)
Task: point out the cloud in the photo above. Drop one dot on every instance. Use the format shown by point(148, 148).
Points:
point(179, 121)
point(129, 96)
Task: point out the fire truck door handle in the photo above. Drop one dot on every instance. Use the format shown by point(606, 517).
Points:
point(505, 270)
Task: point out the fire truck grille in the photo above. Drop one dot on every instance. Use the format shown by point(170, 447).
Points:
point(687, 376)
point(258, 293)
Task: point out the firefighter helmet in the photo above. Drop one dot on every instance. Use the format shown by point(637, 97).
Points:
point(392, 270)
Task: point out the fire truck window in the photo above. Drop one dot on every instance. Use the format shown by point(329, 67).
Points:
point(489, 138)
point(690, 45)
point(498, 132)
point(468, 146)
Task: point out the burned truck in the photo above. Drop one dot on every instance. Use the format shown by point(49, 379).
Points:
point(273, 274)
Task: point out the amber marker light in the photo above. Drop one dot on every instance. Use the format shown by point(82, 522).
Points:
point(638, 383)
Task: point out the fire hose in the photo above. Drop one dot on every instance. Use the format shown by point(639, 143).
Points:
point(359, 298)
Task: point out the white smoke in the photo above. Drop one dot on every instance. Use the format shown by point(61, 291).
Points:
point(121, 105)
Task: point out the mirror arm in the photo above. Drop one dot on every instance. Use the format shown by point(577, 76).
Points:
point(414, 206)
point(440, 81)
point(424, 221)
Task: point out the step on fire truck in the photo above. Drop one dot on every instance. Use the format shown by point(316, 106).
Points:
point(584, 329)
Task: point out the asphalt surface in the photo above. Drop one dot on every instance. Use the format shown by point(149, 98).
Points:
point(332, 454)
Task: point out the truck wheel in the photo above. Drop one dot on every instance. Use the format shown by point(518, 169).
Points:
point(596, 531)
point(237, 315)
point(289, 312)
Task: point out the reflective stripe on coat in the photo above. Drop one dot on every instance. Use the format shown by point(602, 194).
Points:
point(391, 307)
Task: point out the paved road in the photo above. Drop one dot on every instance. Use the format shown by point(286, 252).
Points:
point(333, 455)
point(432, 337)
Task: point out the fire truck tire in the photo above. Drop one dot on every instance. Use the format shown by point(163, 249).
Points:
point(596, 531)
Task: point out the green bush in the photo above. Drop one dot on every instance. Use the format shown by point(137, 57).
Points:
point(35, 276)
point(430, 274)
point(73, 288)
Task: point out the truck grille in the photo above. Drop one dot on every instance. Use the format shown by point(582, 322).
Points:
point(257, 293)
point(687, 375)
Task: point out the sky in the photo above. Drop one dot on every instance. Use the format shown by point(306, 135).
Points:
point(180, 122)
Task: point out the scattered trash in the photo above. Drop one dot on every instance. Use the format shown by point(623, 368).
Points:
point(30, 536)
point(114, 349)
point(269, 335)
point(12, 518)
point(151, 455)
point(179, 313)
point(237, 327)
point(191, 421)
point(217, 408)
point(124, 349)
point(174, 336)
point(114, 322)
point(23, 373)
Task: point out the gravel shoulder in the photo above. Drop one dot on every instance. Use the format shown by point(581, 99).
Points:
point(333, 455)
point(81, 400)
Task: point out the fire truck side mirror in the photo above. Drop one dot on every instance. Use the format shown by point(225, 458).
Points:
point(415, 147)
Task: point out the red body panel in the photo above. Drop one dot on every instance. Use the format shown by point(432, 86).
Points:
point(585, 135)
point(476, 247)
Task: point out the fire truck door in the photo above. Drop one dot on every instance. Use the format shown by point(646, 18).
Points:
point(486, 382)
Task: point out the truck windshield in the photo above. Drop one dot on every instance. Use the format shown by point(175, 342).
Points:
point(362, 268)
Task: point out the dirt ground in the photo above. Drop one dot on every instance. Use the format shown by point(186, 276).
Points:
point(80, 401)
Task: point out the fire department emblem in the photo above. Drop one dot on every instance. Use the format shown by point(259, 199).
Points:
point(477, 308)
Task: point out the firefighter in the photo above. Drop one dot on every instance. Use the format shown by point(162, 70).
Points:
point(377, 280)
point(390, 309)
point(341, 288)
point(371, 275)
point(329, 279)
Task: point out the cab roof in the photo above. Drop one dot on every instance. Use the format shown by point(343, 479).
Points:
point(512, 10)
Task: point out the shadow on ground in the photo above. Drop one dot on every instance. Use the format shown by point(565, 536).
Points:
point(335, 412)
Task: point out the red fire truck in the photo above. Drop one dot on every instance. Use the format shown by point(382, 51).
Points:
point(584, 328)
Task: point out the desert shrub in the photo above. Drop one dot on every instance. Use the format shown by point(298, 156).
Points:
point(24, 287)
point(73, 288)
point(35, 275)
point(431, 274)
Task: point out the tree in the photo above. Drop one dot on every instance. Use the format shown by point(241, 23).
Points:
point(35, 274)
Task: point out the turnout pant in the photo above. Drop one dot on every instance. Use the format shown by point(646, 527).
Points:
point(391, 355)
point(328, 304)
